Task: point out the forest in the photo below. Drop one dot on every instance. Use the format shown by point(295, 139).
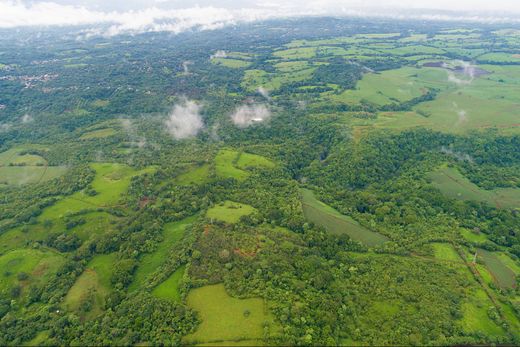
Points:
point(349, 182)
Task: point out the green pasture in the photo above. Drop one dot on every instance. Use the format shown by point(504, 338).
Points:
point(253, 79)
point(98, 134)
point(504, 276)
point(93, 284)
point(336, 223)
point(18, 175)
point(473, 236)
point(38, 266)
point(224, 165)
point(475, 314)
point(111, 182)
point(499, 57)
point(392, 86)
point(169, 289)
point(229, 211)
point(198, 175)
point(414, 50)
point(453, 184)
point(226, 319)
point(247, 160)
point(445, 251)
point(231, 63)
point(149, 262)
point(296, 53)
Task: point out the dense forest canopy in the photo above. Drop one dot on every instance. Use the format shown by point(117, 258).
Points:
point(313, 181)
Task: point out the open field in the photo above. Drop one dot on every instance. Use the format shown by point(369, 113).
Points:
point(475, 317)
point(37, 267)
point(111, 181)
point(393, 86)
point(198, 175)
point(453, 184)
point(445, 251)
point(225, 318)
point(149, 262)
point(17, 175)
point(98, 134)
point(169, 289)
point(229, 211)
point(231, 63)
point(92, 287)
point(473, 236)
point(253, 79)
point(224, 165)
point(336, 223)
point(247, 160)
point(503, 275)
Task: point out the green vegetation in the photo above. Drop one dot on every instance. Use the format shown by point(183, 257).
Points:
point(169, 289)
point(327, 217)
point(225, 319)
point(229, 211)
point(444, 251)
point(503, 275)
point(476, 318)
point(453, 184)
point(87, 295)
point(198, 175)
point(149, 263)
point(224, 165)
point(350, 218)
point(98, 134)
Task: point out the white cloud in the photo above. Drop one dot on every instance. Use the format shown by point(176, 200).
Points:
point(184, 120)
point(159, 17)
point(247, 115)
point(26, 118)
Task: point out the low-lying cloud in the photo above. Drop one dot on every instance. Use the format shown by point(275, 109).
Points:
point(159, 17)
point(247, 115)
point(184, 121)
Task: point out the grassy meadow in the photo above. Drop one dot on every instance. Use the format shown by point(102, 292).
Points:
point(226, 319)
point(336, 223)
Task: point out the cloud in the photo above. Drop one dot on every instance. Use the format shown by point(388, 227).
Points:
point(219, 54)
point(264, 92)
point(247, 115)
point(184, 120)
point(26, 118)
point(160, 17)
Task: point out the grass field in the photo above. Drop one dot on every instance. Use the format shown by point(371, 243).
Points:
point(93, 284)
point(229, 211)
point(98, 134)
point(169, 289)
point(253, 79)
point(18, 175)
point(247, 160)
point(224, 165)
point(503, 275)
point(225, 319)
point(231, 63)
point(336, 223)
point(445, 251)
point(149, 262)
point(453, 184)
point(111, 182)
point(198, 175)
point(38, 266)
point(475, 318)
point(472, 236)
point(392, 86)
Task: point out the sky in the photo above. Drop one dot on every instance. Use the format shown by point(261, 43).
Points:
point(133, 16)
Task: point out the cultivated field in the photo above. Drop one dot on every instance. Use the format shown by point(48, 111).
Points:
point(334, 222)
point(226, 319)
